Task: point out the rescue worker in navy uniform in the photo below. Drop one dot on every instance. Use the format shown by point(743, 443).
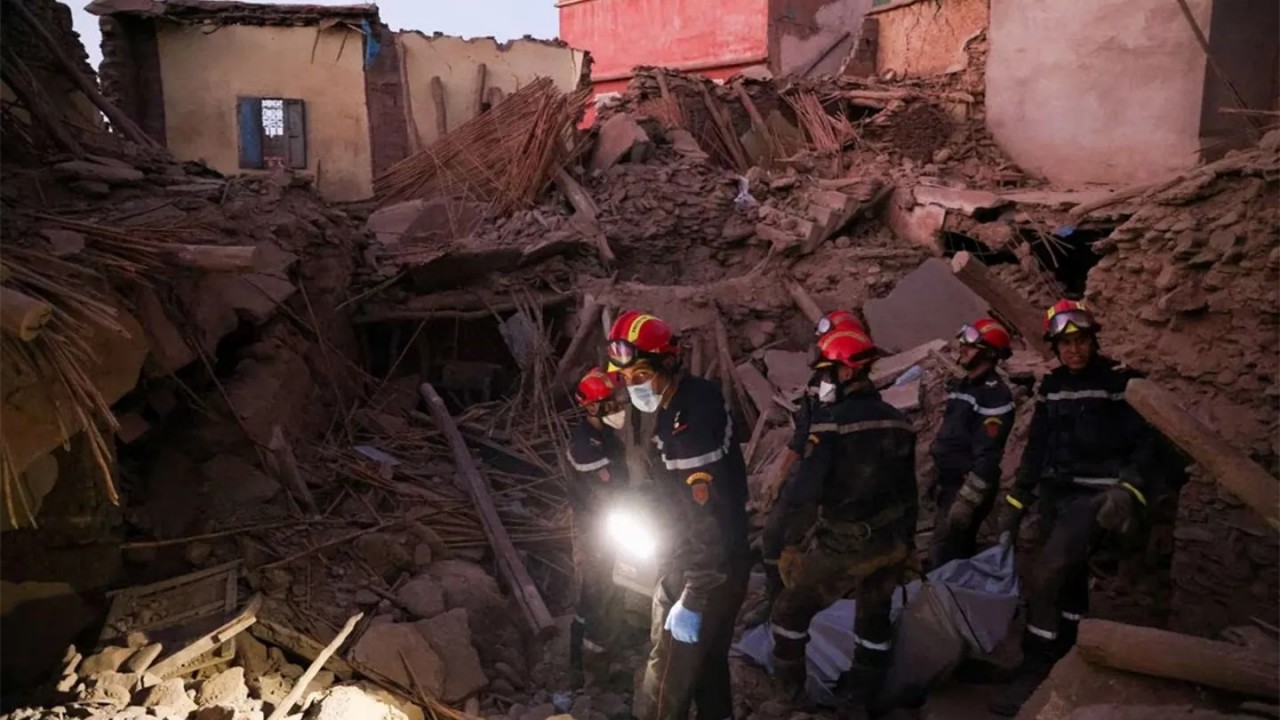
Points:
point(595, 452)
point(771, 542)
point(970, 443)
point(1084, 458)
point(703, 486)
point(858, 470)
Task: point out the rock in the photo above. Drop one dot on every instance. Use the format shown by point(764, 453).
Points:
point(271, 688)
point(216, 712)
point(95, 172)
point(582, 708)
point(685, 144)
point(390, 224)
point(197, 553)
point(918, 224)
point(143, 657)
point(788, 371)
point(124, 681)
point(365, 597)
point(113, 695)
point(67, 683)
point(619, 137)
point(382, 647)
point(170, 694)
point(253, 296)
point(350, 703)
point(422, 556)
point(233, 483)
point(395, 701)
point(450, 636)
point(928, 304)
point(108, 660)
point(63, 242)
point(225, 688)
point(904, 397)
point(467, 585)
point(321, 682)
point(539, 712)
point(422, 596)
point(386, 554)
point(252, 655)
point(611, 704)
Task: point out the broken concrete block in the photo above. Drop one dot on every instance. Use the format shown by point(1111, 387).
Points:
point(968, 202)
point(233, 483)
point(423, 596)
point(390, 224)
point(620, 137)
point(171, 695)
point(450, 636)
point(253, 296)
point(917, 224)
point(757, 385)
point(927, 304)
point(225, 688)
point(107, 660)
point(887, 369)
point(143, 657)
point(96, 172)
point(382, 648)
point(467, 585)
point(63, 242)
point(905, 397)
point(351, 703)
point(168, 346)
point(684, 143)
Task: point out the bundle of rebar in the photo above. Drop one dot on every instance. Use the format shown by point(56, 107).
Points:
point(505, 156)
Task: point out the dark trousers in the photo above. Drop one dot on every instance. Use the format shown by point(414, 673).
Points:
point(1058, 593)
point(598, 597)
point(950, 543)
point(681, 675)
point(831, 569)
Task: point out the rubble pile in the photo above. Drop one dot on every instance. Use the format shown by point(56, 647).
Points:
point(1187, 284)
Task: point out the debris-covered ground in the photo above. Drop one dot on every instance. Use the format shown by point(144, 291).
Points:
point(346, 425)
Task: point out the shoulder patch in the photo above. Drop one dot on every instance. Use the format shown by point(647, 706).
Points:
point(992, 425)
point(698, 477)
point(702, 493)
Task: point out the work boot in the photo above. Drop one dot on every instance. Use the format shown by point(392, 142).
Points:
point(1038, 658)
point(759, 615)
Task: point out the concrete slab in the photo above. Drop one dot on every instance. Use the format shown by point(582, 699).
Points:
point(959, 199)
point(886, 370)
point(917, 224)
point(788, 371)
point(757, 385)
point(904, 397)
point(927, 304)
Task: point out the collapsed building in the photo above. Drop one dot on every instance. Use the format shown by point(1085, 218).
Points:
point(242, 423)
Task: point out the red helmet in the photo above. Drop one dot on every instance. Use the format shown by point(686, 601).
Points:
point(851, 348)
point(838, 320)
point(988, 333)
point(639, 336)
point(595, 386)
point(1069, 316)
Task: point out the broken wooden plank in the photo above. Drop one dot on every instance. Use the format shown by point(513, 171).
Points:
point(804, 301)
point(22, 316)
point(510, 566)
point(757, 386)
point(736, 392)
point(286, 468)
point(586, 215)
point(1234, 470)
point(285, 705)
point(247, 617)
point(271, 632)
point(1005, 301)
point(1161, 653)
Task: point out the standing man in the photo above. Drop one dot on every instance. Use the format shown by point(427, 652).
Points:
point(771, 541)
point(858, 473)
point(1084, 458)
point(703, 485)
point(970, 443)
point(595, 453)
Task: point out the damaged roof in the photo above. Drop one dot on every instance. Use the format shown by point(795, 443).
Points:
point(235, 13)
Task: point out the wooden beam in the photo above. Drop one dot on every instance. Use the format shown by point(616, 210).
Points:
point(241, 622)
point(118, 119)
point(729, 380)
point(588, 316)
point(1165, 654)
point(804, 301)
point(585, 218)
point(286, 468)
point(313, 669)
point(43, 113)
point(220, 258)
point(510, 565)
point(1004, 300)
point(22, 316)
point(1232, 468)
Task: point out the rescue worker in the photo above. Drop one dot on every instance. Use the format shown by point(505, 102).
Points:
point(858, 471)
point(595, 453)
point(970, 443)
point(771, 544)
point(1084, 457)
point(702, 484)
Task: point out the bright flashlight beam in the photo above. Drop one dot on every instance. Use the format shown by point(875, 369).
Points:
point(631, 534)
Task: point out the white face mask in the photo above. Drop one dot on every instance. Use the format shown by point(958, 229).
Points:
point(615, 420)
point(826, 392)
point(643, 397)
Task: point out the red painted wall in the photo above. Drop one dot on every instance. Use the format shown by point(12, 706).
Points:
point(702, 35)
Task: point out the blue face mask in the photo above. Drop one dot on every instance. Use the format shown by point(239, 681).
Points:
point(643, 397)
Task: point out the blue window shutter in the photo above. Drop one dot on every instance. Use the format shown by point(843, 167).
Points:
point(249, 117)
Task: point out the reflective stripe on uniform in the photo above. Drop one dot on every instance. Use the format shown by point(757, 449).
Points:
point(1084, 395)
point(586, 467)
point(1095, 482)
point(1042, 633)
point(973, 402)
point(883, 647)
point(705, 458)
point(1073, 617)
point(788, 634)
point(864, 426)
